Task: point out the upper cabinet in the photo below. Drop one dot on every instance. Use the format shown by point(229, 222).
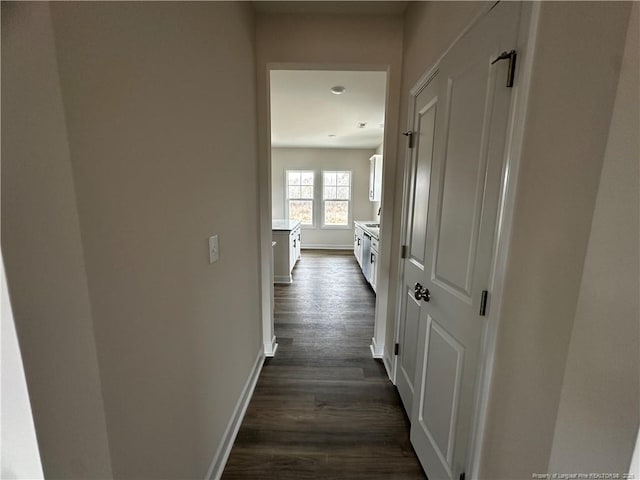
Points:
point(375, 178)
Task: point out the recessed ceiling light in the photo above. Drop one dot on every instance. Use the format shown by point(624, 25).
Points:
point(338, 90)
point(332, 135)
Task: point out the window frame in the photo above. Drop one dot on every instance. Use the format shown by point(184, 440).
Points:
point(313, 224)
point(349, 201)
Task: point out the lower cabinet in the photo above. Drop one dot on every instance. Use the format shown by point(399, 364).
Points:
point(358, 242)
point(297, 244)
point(365, 249)
point(286, 252)
point(373, 258)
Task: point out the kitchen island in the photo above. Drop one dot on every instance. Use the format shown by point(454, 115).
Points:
point(286, 251)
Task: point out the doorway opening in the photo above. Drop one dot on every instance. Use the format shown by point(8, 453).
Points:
point(326, 159)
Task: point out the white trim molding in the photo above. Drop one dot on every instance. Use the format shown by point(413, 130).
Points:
point(286, 279)
point(377, 351)
point(270, 347)
point(224, 449)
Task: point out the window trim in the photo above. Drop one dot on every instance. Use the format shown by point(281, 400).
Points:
point(349, 201)
point(313, 224)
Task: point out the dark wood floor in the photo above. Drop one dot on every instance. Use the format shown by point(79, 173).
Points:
point(323, 408)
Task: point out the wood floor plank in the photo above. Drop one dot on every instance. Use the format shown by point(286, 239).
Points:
point(323, 408)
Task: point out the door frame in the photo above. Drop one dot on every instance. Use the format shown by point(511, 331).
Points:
point(526, 43)
point(269, 339)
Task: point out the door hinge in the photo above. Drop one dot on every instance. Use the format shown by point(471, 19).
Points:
point(396, 349)
point(409, 134)
point(483, 303)
point(511, 72)
point(403, 251)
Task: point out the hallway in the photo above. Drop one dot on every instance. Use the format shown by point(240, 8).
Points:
point(323, 408)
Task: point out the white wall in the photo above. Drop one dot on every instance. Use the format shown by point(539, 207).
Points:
point(599, 413)
point(350, 42)
point(575, 74)
point(153, 95)
point(43, 253)
point(318, 159)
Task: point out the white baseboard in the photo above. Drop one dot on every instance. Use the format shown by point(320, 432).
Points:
point(270, 347)
point(377, 351)
point(222, 454)
point(282, 279)
point(327, 247)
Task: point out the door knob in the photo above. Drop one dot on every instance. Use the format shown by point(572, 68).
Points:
point(421, 293)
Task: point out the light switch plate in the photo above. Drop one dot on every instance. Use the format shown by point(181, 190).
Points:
point(214, 252)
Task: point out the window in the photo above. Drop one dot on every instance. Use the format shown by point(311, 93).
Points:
point(300, 195)
point(336, 197)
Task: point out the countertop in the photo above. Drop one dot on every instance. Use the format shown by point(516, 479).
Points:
point(284, 225)
point(373, 231)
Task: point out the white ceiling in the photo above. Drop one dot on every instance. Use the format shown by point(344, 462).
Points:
point(304, 112)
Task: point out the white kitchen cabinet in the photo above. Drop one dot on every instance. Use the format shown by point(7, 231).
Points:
point(358, 242)
point(366, 241)
point(373, 258)
point(287, 250)
point(375, 178)
point(294, 244)
point(298, 242)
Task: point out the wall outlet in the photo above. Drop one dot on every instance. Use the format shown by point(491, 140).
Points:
point(214, 251)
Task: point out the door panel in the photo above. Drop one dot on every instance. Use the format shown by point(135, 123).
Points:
point(465, 177)
point(411, 310)
point(426, 124)
point(462, 181)
point(440, 393)
point(409, 340)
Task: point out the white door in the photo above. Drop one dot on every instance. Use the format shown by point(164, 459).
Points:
point(419, 176)
point(469, 149)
